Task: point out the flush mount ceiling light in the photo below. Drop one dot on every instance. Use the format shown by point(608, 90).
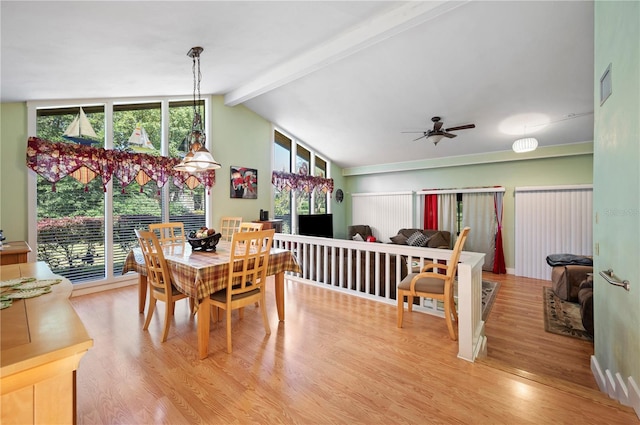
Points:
point(526, 144)
point(198, 158)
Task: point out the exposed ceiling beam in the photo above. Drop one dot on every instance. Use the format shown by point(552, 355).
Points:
point(378, 28)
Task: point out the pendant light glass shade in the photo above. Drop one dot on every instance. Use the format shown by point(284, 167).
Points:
point(526, 144)
point(435, 138)
point(198, 158)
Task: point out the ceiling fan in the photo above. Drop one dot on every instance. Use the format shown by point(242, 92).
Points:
point(438, 133)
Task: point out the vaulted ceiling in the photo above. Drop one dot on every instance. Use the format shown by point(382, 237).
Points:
point(349, 79)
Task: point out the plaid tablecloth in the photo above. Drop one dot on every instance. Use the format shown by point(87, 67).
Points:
point(199, 274)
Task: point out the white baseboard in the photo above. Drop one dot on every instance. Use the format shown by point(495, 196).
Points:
point(85, 290)
point(626, 392)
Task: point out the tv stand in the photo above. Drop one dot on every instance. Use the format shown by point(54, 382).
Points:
point(271, 224)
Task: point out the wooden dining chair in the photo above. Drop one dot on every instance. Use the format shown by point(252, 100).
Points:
point(159, 276)
point(247, 277)
point(250, 227)
point(431, 284)
point(228, 226)
point(246, 226)
point(169, 232)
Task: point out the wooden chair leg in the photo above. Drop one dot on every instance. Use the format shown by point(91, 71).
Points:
point(168, 314)
point(229, 330)
point(265, 319)
point(152, 307)
point(448, 318)
point(142, 292)
point(400, 297)
point(454, 310)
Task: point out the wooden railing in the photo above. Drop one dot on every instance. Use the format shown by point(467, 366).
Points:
point(374, 270)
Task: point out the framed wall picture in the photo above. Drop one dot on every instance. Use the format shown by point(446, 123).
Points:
point(244, 183)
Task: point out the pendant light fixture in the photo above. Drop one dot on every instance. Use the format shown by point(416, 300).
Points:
point(526, 144)
point(198, 158)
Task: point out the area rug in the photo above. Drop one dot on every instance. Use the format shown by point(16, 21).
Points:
point(489, 293)
point(563, 317)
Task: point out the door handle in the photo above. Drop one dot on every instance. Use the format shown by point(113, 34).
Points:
point(613, 280)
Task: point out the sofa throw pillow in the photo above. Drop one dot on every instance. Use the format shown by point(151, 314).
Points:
point(417, 239)
point(399, 239)
point(358, 237)
point(438, 240)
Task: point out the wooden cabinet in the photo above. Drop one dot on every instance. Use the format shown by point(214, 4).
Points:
point(271, 224)
point(14, 252)
point(42, 341)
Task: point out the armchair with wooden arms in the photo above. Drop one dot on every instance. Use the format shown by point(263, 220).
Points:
point(431, 284)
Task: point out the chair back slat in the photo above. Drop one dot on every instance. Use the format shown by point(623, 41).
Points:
point(228, 226)
point(158, 273)
point(250, 259)
point(250, 227)
point(169, 232)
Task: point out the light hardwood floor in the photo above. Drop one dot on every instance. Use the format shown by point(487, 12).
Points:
point(336, 359)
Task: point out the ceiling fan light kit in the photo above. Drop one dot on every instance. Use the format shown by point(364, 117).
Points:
point(438, 133)
point(526, 144)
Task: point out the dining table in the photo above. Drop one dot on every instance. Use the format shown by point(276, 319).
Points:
point(198, 274)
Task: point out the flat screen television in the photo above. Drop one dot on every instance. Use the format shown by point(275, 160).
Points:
point(316, 225)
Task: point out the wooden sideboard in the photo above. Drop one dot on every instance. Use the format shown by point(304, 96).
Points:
point(271, 224)
point(14, 252)
point(42, 342)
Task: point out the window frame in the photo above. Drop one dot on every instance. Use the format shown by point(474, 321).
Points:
point(110, 277)
point(293, 166)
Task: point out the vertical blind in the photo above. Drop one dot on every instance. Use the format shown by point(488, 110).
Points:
point(551, 220)
point(386, 213)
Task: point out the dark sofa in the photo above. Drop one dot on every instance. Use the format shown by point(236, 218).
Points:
point(435, 238)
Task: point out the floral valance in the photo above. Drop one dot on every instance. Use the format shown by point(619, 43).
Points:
point(301, 182)
point(54, 161)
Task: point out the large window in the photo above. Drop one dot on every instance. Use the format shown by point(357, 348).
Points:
point(292, 156)
point(72, 218)
point(282, 162)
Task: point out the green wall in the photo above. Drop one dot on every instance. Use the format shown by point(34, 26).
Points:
point(616, 191)
point(243, 139)
point(562, 170)
point(13, 171)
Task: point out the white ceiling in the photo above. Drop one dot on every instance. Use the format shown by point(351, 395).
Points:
point(346, 78)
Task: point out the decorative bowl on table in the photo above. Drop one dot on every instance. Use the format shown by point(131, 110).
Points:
point(206, 243)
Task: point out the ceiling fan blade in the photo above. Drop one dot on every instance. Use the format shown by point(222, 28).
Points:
point(437, 126)
point(415, 132)
point(449, 135)
point(461, 127)
point(421, 137)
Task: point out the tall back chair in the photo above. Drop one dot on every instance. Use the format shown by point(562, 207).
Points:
point(247, 276)
point(228, 226)
point(159, 276)
point(434, 285)
point(250, 227)
point(170, 232)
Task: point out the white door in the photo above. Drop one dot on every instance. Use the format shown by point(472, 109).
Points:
point(617, 199)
